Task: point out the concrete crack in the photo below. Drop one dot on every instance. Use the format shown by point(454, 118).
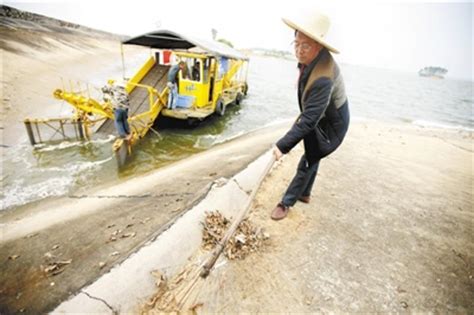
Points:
point(241, 188)
point(115, 312)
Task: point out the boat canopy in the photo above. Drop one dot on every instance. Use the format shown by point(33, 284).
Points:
point(164, 39)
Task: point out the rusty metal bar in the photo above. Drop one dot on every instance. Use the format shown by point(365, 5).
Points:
point(29, 131)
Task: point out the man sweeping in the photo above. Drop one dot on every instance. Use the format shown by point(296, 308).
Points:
point(324, 118)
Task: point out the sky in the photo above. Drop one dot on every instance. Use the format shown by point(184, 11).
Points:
point(405, 36)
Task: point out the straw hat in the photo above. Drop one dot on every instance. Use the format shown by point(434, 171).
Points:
point(313, 24)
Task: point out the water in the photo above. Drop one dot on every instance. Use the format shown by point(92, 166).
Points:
point(71, 167)
point(397, 96)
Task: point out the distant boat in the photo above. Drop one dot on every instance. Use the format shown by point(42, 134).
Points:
point(433, 72)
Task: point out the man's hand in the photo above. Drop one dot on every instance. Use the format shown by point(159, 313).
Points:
point(277, 153)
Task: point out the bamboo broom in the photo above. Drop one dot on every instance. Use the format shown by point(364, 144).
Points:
point(206, 269)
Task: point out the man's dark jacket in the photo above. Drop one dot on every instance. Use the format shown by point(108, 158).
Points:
point(324, 107)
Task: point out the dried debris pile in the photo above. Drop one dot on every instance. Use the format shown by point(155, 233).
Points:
point(246, 239)
point(180, 294)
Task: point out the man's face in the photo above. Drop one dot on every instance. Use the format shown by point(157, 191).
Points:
point(306, 49)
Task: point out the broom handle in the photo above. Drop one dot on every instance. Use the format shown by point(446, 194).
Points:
point(206, 269)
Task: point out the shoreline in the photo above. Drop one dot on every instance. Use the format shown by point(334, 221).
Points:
point(454, 137)
point(123, 188)
point(432, 128)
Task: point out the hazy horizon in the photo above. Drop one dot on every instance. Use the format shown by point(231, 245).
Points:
point(404, 36)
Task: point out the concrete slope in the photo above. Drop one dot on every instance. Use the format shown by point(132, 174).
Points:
point(128, 286)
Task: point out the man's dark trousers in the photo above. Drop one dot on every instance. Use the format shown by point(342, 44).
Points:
point(302, 183)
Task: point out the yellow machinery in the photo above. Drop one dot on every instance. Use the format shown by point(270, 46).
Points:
point(215, 77)
point(212, 90)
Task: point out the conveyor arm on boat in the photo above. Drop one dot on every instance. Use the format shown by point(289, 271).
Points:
point(85, 104)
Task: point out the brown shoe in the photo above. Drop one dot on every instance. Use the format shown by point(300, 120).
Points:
point(280, 212)
point(305, 199)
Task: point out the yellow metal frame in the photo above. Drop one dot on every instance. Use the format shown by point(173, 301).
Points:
point(143, 122)
point(132, 83)
point(140, 124)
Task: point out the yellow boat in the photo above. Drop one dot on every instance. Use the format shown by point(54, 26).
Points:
point(219, 78)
